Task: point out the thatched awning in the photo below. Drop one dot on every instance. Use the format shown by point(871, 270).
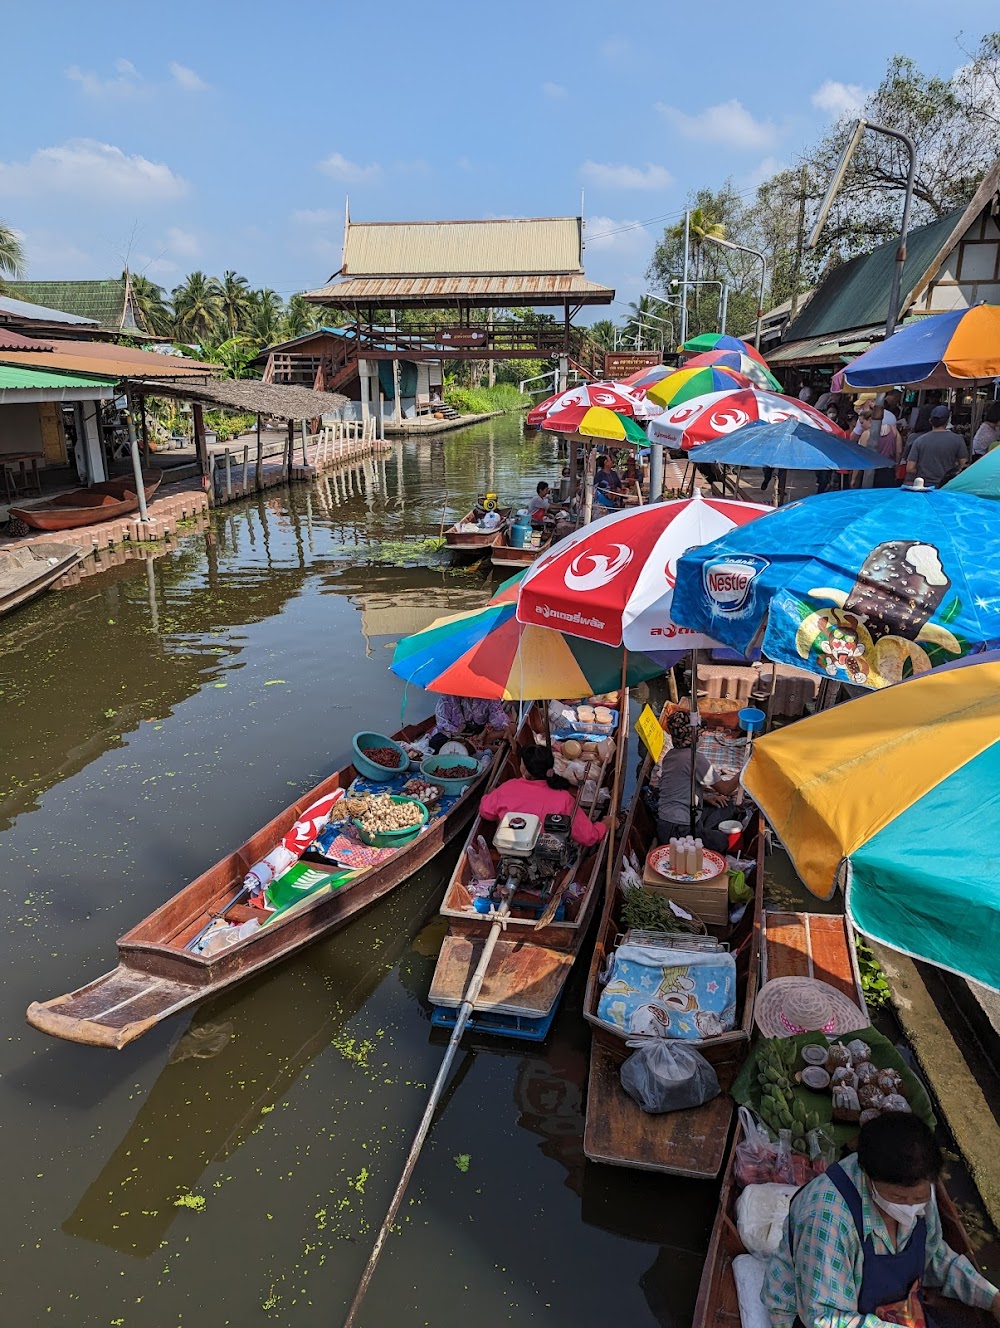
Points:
point(249, 394)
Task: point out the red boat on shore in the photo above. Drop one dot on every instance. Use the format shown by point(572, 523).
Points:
point(87, 507)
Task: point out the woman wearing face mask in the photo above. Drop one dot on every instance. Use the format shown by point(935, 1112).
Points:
point(865, 1238)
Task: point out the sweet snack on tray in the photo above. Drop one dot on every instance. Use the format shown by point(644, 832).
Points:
point(846, 1106)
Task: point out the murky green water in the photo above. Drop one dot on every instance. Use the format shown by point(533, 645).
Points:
point(230, 1168)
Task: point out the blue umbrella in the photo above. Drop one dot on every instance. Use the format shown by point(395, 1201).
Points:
point(981, 478)
point(789, 445)
point(865, 586)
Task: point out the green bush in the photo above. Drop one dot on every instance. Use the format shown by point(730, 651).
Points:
point(484, 400)
point(226, 424)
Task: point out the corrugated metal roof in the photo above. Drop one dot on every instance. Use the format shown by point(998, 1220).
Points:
point(444, 292)
point(856, 294)
point(98, 357)
point(825, 350)
point(39, 313)
point(19, 377)
point(507, 247)
point(15, 341)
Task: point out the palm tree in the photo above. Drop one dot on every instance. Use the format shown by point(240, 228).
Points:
point(197, 307)
point(266, 316)
point(152, 303)
point(234, 301)
point(602, 333)
point(702, 226)
point(12, 263)
point(647, 323)
point(301, 317)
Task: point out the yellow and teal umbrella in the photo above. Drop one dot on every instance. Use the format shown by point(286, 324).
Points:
point(594, 422)
point(897, 796)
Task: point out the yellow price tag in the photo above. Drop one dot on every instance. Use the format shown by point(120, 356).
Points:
point(648, 728)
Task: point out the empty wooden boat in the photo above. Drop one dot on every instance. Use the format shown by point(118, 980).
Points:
point(28, 570)
point(618, 1132)
point(797, 945)
point(530, 965)
point(157, 975)
point(87, 507)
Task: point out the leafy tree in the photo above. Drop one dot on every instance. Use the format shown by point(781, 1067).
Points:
point(234, 354)
point(265, 317)
point(602, 333)
point(301, 317)
point(153, 305)
point(197, 308)
point(12, 261)
point(235, 301)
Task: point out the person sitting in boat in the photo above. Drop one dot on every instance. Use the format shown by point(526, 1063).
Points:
point(674, 808)
point(540, 507)
point(541, 792)
point(863, 1240)
point(467, 719)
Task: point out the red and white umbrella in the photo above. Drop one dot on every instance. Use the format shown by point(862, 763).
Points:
point(612, 396)
point(613, 582)
point(703, 419)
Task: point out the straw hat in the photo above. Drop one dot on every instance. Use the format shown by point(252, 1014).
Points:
point(786, 1006)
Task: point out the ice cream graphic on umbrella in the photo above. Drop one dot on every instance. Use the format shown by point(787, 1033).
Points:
point(883, 621)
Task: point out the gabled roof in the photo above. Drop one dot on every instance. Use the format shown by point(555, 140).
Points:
point(15, 310)
point(447, 292)
point(106, 303)
point(100, 357)
point(515, 246)
point(15, 341)
point(856, 294)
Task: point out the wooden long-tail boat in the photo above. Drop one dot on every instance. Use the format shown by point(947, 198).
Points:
point(507, 556)
point(530, 966)
point(469, 542)
point(87, 507)
point(798, 945)
point(28, 570)
point(157, 975)
point(618, 1132)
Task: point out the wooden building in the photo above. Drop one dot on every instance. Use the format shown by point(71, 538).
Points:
point(476, 271)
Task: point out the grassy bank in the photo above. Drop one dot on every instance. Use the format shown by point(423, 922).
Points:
point(485, 400)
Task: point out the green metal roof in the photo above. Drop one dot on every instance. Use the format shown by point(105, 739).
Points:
point(856, 294)
point(102, 301)
point(15, 377)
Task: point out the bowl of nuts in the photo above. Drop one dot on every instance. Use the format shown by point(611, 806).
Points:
point(378, 757)
point(386, 820)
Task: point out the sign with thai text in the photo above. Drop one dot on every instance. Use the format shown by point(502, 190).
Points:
point(648, 728)
point(621, 364)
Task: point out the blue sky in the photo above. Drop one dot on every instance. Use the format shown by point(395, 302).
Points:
point(214, 134)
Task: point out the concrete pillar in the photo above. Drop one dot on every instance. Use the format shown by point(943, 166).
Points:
point(655, 472)
point(563, 373)
point(93, 452)
point(365, 378)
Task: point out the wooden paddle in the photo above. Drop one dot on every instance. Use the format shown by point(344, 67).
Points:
point(552, 906)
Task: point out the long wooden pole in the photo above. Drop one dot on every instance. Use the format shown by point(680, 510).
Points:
point(695, 729)
point(464, 1014)
point(623, 719)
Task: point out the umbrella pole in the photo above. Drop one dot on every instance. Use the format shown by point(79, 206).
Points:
point(588, 486)
point(695, 725)
point(616, 786)
point(770, 696)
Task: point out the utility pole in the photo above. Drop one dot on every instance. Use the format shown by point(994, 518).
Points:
point(684, 284)
point(800, 240)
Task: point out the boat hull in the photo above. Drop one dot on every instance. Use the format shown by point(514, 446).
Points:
point(28, 571)
point(156, 976)
point(86, 507)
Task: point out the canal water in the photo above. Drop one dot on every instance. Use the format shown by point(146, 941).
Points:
point(232, 1166)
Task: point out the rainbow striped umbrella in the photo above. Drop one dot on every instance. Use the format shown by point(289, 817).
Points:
point(594, 422)
point(489, 654)
point(688, 383)
point(760, 374)
point(646, 377)
point(707, 341)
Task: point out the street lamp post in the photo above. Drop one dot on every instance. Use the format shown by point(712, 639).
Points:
point(755, 253)
point(723, 296)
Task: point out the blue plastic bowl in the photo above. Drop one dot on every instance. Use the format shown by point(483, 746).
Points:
point(371, 769)
point(751, 719)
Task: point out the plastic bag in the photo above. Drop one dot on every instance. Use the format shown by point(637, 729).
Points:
point(760, 1216)
point(748, 1274)
point(755, 1153)
point(221, 938)
point(665, 1076)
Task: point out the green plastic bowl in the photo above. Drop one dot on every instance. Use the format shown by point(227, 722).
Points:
point(394, 838)
point(452, 782)
point(371, 769)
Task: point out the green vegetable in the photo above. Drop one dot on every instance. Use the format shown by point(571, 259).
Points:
point(642, 910)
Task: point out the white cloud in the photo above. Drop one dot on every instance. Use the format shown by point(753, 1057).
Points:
point(185, 244)
point(610, 175)
point(729, 123)
point(126, 83)
point(555, 90)
point(609, 236)
point(316, 217)
point(839, 99)
point(187, 79)
point(54, 256)
point(338, 167)
point(762, 171)
point(83, 168)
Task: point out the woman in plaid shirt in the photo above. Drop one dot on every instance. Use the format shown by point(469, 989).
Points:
point(863, 1240)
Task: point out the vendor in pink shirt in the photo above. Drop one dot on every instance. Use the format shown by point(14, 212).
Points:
point(540, 792)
